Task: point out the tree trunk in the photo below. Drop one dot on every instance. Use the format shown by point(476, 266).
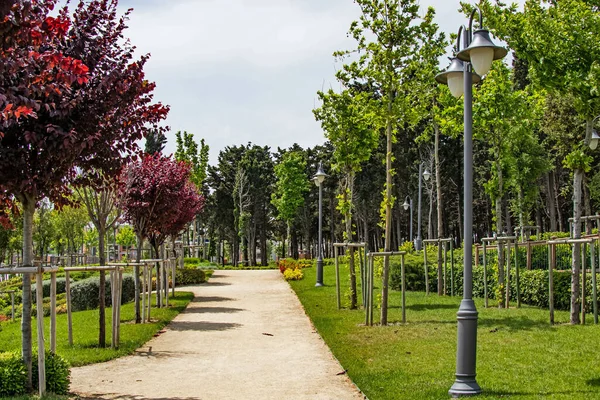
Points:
point(576, 256)
point(136, 278)
point(551, 200)
point(28, 203)
point(587, 206)
point(158, 277)
point(101, 292)
point(557, 203)
point(347, 196)
point(509, 229)
point(388, 210)
point(499, 226)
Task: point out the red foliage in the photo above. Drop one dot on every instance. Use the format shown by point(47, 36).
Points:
point(73, 100)
point(157, 196)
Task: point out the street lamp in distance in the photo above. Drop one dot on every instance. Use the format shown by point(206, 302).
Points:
point(318, 179)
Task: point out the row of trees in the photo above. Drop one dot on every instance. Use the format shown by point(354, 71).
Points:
point(74, 102)
point(532, 124)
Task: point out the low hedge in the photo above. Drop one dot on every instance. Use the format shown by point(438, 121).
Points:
point(61, 284)
point(533, 283)
point(189, 276)
point(13, 375)
point(85, 293)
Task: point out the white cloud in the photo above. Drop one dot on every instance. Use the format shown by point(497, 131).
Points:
point(236, 71)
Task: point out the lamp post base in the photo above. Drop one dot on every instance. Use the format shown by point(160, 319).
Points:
point(466, 352)
point(319, 273)
point(464, 388)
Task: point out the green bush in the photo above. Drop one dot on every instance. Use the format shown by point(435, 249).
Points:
point(189, 276)
point(533, 283)
point(84, 294)
point(46, 283)
point(13, 375)
point(58, 373)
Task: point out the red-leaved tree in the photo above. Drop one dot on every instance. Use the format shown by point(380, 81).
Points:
point(158, 200)
point(73, 104)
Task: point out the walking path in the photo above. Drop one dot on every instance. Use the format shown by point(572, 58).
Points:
point(244, 336)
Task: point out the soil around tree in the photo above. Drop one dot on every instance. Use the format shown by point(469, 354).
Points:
point(245, 335)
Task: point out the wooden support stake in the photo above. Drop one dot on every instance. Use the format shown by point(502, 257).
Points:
point(12, 306)
point(173, 271)
point(366, 291)
point(552, 258)
point(583, 268)
point(119, 298)
point(594, 288)
point(518, 287)
point(445, 267)
point(507, 280)
point(144, 284)
point(426, 272)
point(528, 255)
point(337, 279)
point(149, 302)
point(452, 267)
point(403, 277)
point(69, 316)
point(39, 295)
point(166, 266)
point(477, 255)
point(53, 312)
point(371, 278)
point(113, 309)
point(485, 291)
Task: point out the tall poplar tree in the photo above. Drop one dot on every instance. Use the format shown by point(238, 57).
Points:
point(346, 122)
point(387, 36)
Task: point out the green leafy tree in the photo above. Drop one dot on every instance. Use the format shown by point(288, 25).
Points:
point(550, 36)
point(346, 122)
point(126, 236)
point(291, 185)
point(387, 36)
point(197, 156)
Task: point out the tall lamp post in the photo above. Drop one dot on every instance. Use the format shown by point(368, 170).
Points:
point(408, 204)
point(425, 175)
point(318, 179)
point(478, 51)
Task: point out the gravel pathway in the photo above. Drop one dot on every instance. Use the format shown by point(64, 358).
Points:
point(244, 336)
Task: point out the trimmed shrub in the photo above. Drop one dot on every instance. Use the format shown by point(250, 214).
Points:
point(60, 287)
point(84, 294)
point(533, 283)
point(189, 276)
point(58, 373)
point(13, 375)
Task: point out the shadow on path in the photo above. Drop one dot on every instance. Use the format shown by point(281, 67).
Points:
point(128, 397)
point(206, 299)
point(202, 326)
point(213, 310)
point(210, 283)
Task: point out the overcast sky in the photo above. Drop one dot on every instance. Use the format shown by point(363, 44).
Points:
point(238, 71)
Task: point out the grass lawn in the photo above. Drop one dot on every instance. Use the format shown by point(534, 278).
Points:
point(85, 332)
point(519, 355)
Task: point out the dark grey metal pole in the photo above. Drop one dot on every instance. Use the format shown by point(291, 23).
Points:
point(466, 353)
point(320, 246)
point(419, 241)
